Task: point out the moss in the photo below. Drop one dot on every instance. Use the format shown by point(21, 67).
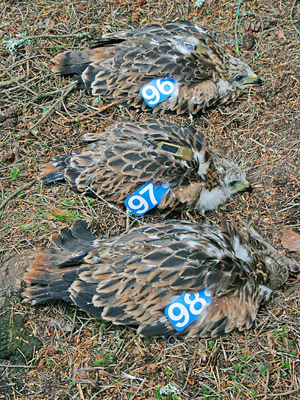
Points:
point(17, 344)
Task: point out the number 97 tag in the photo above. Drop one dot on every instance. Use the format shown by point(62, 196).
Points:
point(157, 91)
point(146, 198)
point(187, 308)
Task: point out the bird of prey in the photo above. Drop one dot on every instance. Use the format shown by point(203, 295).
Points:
point(118, 161)
point(132, 279)
point(133, 67)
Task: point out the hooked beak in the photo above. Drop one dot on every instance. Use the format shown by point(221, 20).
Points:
point(294, 267)
point(254, 80)
point(243, 187)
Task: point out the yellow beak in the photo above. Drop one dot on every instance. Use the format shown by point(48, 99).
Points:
point(244, 187)
point(253, 80)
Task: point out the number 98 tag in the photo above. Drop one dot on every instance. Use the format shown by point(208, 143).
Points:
point(146, 198)
point(187, 308)
point(157, 91)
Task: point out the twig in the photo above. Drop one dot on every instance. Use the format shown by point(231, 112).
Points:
point(47, 94)
point(16, 366)
point(78, 35)
point(270, 395)
point(13, 80)
point(50, 110)
point(291, 15)
point(9, 112)
point(138, 345)
point(239, 2)
point(92, 114)
point(18, 190)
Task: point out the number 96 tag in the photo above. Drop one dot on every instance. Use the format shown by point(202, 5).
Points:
point(187, 308)
point(146, 198)
point(157, 91)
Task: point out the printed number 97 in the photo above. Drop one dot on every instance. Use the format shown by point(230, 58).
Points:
point(141, 201)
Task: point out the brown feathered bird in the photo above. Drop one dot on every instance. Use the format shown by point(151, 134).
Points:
point(121, 64)
point(131, 279)
point(127, 155)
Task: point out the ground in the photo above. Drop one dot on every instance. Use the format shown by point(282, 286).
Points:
point(72, 356)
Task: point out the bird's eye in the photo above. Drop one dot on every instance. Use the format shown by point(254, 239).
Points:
point(233, 183)
point(238, 78)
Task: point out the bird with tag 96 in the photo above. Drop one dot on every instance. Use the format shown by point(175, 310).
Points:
point(171, 278)
point(130, 158)
point(178, 66)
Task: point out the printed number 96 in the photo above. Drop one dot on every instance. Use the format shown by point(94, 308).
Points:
point(142, 204)
point(152, 93)
point(183, 311)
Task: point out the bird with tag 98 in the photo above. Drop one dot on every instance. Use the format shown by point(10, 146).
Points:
point(178, 66)
point(171, 278)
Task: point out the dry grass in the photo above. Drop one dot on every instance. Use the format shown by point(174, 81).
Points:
point(43, 116)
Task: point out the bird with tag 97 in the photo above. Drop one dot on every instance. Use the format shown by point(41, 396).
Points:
point(150, 163)
point(171, 278)
point(178, 66)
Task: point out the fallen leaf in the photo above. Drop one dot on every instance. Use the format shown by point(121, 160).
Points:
point(49, 23)
point(61, 324)
point(81, 373)
point(291, 240)
point(280, 34)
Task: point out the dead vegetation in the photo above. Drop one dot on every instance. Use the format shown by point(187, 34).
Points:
point(42, 116)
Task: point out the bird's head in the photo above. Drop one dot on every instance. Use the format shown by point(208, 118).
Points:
point(231, 176)
point(276, 269)
point(238, 73)
point(275, 264)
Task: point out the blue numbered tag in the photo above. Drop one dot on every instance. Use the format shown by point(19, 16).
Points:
point(157, 91)
point(146, 198)
point(187, 308)
point(189, 46)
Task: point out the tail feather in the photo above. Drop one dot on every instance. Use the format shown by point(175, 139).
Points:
point(75, 239)
point(76, 61)
point(55, 170)
point(54, 270)
point(72, 62)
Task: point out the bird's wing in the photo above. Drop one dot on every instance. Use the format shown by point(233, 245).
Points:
point(150, 132)
point(225, 314)
point(124, 169)
point(175, 30)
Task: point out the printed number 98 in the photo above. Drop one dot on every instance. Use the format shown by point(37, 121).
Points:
point(183, 311)
point(142, 206)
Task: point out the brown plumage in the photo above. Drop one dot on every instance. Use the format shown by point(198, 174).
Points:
point(122, 63)
point(120, 160)
point(130, 279)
